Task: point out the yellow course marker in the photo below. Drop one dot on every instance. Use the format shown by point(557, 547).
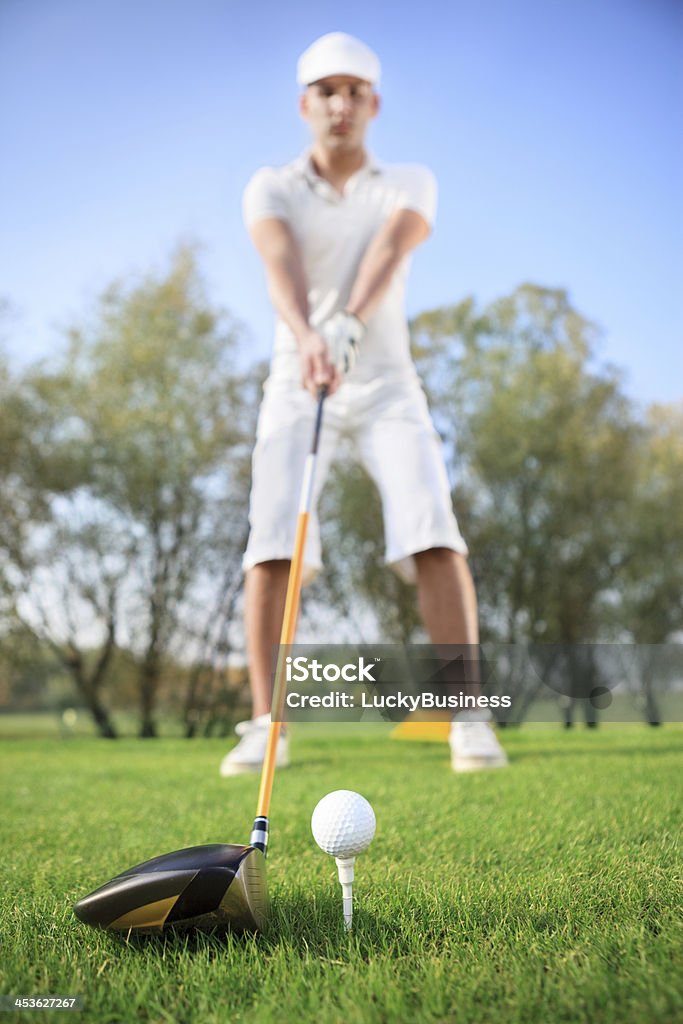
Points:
point(417, 727)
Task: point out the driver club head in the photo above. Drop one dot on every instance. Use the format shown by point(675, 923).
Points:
point(199, 887)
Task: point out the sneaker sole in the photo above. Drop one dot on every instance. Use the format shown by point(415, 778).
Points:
point(242, 768)
point(475, 764)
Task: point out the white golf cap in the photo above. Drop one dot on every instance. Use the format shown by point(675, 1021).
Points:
point(337, 54)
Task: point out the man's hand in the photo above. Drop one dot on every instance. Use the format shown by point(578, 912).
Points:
point(317, 370)
point(330, 353)
point(343, 334)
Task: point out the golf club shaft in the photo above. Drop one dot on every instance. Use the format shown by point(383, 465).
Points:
point(259, 836)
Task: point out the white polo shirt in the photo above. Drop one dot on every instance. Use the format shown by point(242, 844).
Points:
point(333, 231)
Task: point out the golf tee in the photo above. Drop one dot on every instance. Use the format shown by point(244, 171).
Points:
point(345, 872)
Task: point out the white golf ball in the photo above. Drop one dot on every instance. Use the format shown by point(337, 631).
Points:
point(343, 823)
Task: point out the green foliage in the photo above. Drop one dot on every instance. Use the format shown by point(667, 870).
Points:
point(145, 404)
point(29, 672)
point(21, 501)
point(566, 497)
point(362, 590)
point(142, 430)
point(541, 444)
point(652, 607)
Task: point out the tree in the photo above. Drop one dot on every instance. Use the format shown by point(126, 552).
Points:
point(541, 444)
point(649, 610)
point(147, 426)
point(21, 503)
point(67, 591)
point(651, 606)
point(363, 591)
point(29, 672)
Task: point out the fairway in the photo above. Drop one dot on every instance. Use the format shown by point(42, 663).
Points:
point(547, 892)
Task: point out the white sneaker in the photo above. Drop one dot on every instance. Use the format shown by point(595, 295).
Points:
point(474, 744)
point(249, 753)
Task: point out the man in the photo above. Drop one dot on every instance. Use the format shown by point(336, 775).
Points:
point(335, 230)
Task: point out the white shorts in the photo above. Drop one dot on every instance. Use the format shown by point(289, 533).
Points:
point(389, 424)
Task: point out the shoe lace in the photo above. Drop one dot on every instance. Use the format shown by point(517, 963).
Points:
point(477, 736)
point(252, 738)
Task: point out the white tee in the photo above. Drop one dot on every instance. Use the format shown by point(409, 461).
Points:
point(333, 232)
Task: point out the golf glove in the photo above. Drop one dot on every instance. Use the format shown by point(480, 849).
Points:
point(342, 334)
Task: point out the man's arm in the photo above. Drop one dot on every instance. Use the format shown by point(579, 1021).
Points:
point(288, 292)
point(403, 232)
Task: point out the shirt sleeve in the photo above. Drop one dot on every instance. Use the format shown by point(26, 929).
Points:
point(417, 191)
point(264, 197)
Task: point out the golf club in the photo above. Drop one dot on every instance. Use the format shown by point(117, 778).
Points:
point(218, 884)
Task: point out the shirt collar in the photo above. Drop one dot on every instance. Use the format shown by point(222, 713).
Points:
point(305, 167)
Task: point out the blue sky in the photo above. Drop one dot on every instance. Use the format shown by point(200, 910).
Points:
point(553, 126)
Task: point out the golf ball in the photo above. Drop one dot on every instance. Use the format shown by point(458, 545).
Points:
point(343, 823)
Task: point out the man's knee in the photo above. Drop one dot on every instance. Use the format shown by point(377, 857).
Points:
point(439, 557)
point(271, 569)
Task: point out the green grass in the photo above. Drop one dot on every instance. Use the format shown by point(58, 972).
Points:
point(50, 725)
point(547, 892)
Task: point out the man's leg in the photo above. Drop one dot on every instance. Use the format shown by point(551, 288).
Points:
point(278, 468)
point(264, 608)
point(404, 455)
point(446, 596)
point(448, 603)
